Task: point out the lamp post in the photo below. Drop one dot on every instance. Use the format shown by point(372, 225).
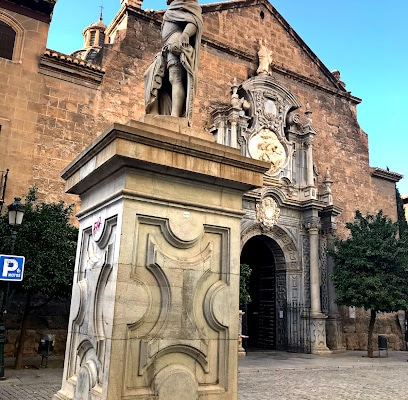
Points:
point(15, 214)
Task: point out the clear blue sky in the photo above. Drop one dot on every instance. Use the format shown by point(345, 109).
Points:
point(366, 40)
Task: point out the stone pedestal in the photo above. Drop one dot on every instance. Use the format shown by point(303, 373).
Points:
point(154, 311)
point(318, 334)
point(334, 334)
point(241, 350)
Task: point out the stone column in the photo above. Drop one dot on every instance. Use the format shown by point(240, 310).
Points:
point(234, 134)
point(154, 310)
point(318, 319)
point(313, 229)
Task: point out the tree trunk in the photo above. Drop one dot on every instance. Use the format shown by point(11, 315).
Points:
point(370, 352)
point(23, 334)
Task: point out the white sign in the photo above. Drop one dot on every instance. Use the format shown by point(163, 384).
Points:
point(11, 268)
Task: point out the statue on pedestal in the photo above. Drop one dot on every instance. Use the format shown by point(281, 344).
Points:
point(265, 59)
point(171, 80)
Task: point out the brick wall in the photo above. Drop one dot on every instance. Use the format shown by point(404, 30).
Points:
point(46, 121)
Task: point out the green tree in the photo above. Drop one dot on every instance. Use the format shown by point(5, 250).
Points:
point(245, 273)
point(402, 221)
point(371, 268)
point(48, 242)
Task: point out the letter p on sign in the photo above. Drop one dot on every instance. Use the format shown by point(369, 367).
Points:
point(9, 265)
point(11, 268)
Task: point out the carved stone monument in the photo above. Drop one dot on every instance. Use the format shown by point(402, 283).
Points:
point(154, 312)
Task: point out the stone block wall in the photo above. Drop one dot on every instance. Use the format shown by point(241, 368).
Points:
point(355, 330)
point(47, 121)
point(52, 319)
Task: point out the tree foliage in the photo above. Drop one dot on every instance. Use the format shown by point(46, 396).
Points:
point(48, 242)
point(245, 273)
point(402, 221)
point(371, 267)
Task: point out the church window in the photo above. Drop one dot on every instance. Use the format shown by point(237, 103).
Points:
point(93, 35)
point(101, 39)
point(7, 40)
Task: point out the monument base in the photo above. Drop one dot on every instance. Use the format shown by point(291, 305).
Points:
point(154, 311)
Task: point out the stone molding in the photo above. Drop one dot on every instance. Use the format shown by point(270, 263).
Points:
point(20, 36)
point(215, 164)
point(386, 174)
point(71, 69)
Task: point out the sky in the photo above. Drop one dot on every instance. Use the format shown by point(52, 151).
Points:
point(366, 40)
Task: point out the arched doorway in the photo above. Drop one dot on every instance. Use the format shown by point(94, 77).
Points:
point(259, 322)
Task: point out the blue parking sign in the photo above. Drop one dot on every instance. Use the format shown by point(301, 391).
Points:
point(11, 268)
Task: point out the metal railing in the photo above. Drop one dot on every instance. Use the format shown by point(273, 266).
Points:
point(297, 320)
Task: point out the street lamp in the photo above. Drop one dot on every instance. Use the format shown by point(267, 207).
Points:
point(15, 214)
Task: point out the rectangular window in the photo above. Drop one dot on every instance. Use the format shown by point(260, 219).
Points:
point(101, 39)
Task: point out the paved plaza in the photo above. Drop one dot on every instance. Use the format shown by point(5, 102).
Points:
point(347, 376)
point(265, 376)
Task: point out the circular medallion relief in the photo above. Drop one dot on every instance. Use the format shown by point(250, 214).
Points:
point(265, 146)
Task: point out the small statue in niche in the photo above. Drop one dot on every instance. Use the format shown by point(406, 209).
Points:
point(171, 80)
point(265, 59)
point(237, 102)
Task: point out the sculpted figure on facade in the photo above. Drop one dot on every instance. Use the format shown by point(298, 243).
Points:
point(238, 103)
point(171, 79)
point(267, 212)
point(266, 146)
point(265, 59)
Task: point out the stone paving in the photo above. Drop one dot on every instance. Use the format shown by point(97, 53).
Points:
point(267, 376)
point(347, 376)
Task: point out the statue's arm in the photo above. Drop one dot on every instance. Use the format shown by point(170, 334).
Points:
point(189, 31)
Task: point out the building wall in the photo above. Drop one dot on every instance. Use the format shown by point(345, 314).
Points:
point(47, 121)
point(19, 104)
point(51, 109)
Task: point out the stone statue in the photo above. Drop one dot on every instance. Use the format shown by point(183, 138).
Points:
point(265, 59)
point(336, 74)
point(171, 80)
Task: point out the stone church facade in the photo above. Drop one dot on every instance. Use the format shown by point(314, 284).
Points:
point(292, 113)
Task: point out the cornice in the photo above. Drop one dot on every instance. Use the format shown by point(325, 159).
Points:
point(71, 69)
point(385, 174)
point(236, 53)
point(40, 10)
